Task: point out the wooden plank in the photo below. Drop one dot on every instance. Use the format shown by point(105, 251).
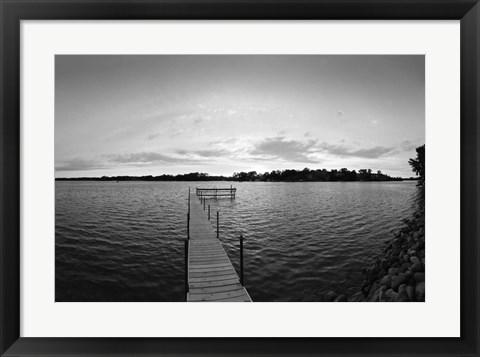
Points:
point(244, 298)
point(218, 296)
point(215, 283)
point(200, 270)
point(204, 274)
point(216, 289)
point(207, 255)
point(212, 278)
point(197, 266)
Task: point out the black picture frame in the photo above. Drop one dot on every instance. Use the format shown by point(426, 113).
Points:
point(12, 12)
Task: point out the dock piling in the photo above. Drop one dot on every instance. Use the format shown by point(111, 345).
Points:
point(186, 268)
point(208, 212)
point(217, 223)
point(241, 260)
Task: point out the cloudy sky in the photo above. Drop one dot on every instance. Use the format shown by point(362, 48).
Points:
point(153, 115)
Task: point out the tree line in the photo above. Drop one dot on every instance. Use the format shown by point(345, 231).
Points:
point(315, 175)
point(278, 175)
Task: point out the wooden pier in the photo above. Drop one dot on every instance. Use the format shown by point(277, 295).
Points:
point(216, 192)
point(210, 275)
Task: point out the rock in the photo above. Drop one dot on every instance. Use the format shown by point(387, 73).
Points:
point(384, 263)
point(423, 260)
point(397, 247)
point(416, 235)
point(404, 267)
point(389, 295)
point(420, 291)
point(419, 277)
point(381, 273)
point(341, 298)
point(410, 290)
point(417, 267)
point(392, 271)
point(402, 294)
point(375, 293)
point(414, 260)
point(406, 258)
point(387, 281)
point(397, 280)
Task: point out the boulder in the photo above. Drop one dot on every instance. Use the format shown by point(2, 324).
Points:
point(392, 271)
point(397, 280)
point(417, 267)
point(420, 291)
point(402, 294)
point(389, 295)
point(396, 247)
point(387, 281)
point(375, 293)
point(414, 260)
point(341, 298)
point(419, 277)
point(410, 290)
point(404, 268)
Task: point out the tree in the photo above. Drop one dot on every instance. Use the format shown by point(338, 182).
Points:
point(418, 164)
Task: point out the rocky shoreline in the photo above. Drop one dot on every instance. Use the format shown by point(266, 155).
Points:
point(400, 275)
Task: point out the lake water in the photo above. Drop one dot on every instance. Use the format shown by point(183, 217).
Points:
point(124, 241)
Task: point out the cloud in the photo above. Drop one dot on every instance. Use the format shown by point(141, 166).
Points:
point(153, 136)
point(370, 153)
point(78, 164)
point(223, 141)
point(133, 159)
point(211, 153)
point(145, 157)
point(288, 150)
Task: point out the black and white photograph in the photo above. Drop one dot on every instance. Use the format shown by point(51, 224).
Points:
point(240, 178)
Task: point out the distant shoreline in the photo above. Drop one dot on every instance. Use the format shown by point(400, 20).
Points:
point(141, 179)
point(305, 175)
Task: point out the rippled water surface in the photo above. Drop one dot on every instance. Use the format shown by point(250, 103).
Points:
point(124, 241)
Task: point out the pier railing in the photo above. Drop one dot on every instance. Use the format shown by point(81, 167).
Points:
point(216, 192)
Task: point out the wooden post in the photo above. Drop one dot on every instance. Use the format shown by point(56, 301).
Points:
point(188, 225)
point(204, 203)
point(186, 268)
point(241, 260)
point(189, 200)
point(217, 223)
point(208, 212)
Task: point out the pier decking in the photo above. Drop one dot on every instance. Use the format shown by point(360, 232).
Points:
point(210, 273)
